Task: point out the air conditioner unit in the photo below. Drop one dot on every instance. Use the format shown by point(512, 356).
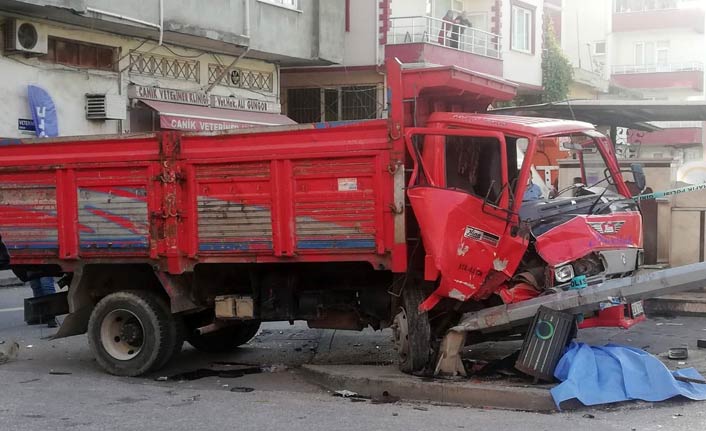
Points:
point(25, 36)
point(105, 107)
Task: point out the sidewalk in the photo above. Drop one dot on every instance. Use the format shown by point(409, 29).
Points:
point(8, 279)
point(678, 304)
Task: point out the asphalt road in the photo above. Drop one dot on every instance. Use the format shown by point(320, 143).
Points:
point(55, 385)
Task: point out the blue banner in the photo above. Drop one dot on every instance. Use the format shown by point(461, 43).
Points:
point(43, 110)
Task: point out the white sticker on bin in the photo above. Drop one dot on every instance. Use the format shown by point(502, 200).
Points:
point(347, 184)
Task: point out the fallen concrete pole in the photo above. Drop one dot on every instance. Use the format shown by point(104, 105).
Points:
point(623, 290)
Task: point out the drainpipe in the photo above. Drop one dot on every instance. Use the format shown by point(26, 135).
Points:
point(377, 31)
point(159, 26)
point(246, 24)
point(161, 21)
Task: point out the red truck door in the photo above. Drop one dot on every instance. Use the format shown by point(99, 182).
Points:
point(461, 196)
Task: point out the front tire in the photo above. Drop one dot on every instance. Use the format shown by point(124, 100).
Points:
point(412, 332)
point(226, 339)
point(131, 333)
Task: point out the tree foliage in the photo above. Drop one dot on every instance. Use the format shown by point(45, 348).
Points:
point(557, 72)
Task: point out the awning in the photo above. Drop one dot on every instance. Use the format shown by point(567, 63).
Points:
point(194, 118)
point(633, 114)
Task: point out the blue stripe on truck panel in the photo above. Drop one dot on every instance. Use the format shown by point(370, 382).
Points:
point(335, 244)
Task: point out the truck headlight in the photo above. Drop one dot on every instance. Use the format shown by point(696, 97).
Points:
point(564, 273)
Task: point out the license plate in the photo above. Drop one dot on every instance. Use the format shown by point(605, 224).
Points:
point(636, 309)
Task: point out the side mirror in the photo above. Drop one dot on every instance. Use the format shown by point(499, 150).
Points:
point(638, 175)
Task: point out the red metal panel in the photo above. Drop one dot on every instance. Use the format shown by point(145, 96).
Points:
point(67, 213)
point(666, 137)
point(584, 234)
point(686, 18)
point(685, 79)
point(435, 54)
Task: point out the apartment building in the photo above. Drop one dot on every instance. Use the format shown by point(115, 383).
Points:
point(144, 65)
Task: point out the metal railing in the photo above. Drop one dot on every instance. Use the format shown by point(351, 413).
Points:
point(426, 29)
point(657, 68)
point(677, 124)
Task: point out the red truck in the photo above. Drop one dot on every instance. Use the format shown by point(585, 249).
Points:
point(406, 222)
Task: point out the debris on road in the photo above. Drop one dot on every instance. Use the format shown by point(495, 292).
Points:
point(59, 373)
point(678, 353)
point(161, 379)
point(242, 389)
point(345, 393)
point(8, 352)
point(588, 416)
point(386, 398)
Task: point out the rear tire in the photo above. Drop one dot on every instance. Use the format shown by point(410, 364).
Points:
point(131, 333)
point(412, 332)
point(226, 339)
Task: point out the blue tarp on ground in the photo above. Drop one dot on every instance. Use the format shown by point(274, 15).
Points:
point(612, 373)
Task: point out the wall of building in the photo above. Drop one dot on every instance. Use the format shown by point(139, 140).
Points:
point(68, 85)
point(361, 40)
point(582, 25)
point(681, 45)
point(521, 67)
point(310, 33)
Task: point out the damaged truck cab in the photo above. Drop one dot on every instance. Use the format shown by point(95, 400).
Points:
point(485, 234)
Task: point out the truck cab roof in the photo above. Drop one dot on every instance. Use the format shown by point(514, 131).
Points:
point(512, 125)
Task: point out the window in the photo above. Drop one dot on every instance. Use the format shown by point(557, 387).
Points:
point(521, 29)
point(599, 47)
point(651, 53)
point(474, 166)
point(81, 54)
point(292, 4)
point(662, 52)
point(304, 105)
point(621, 6)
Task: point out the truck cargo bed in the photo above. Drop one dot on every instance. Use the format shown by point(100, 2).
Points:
point(286, 194)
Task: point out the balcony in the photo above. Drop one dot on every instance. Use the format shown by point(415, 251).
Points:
point(674, 133)
point(654, 76)
point(655, 19)
point(422, 39)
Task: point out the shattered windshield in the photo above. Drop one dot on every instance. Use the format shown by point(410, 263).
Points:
point(593, 170)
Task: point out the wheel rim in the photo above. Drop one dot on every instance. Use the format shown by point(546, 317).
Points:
point(122, 334)
point(400, 329)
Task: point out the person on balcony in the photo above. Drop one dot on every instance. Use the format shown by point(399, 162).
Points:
point(458, 34)
point(446, 32)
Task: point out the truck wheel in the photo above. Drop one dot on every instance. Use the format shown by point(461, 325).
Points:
point(131, 333)
point(412, 333)
point(226, 339)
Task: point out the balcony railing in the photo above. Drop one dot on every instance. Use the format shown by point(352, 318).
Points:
point(677, 124)
point(425, 29)
point(658, 68)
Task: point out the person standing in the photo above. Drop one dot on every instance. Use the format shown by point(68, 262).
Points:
point(44, 286)
point(461, 24)
point(446, 32)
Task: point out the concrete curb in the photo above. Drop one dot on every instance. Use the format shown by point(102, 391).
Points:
point(671, 306)
point(372, 381)
point(10, 283)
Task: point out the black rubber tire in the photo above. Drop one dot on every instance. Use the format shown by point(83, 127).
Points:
point(419, 352)
point(226, 339)
point(158, 328)
point(176, 339)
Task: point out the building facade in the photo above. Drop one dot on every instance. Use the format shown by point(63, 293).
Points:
point(502, 38)
point(132, 66)
point(643, 49)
